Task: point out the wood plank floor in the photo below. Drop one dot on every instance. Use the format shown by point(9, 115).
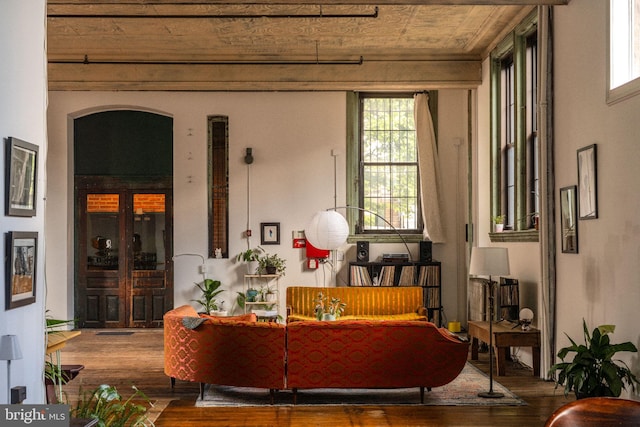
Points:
point(137, 359)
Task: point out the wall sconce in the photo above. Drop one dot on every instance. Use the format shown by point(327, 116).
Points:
point(9, 350)
point(248, 157)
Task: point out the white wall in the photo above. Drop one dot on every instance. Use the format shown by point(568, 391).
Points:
point(292, 135)
point(23, 91)
point(601, 282)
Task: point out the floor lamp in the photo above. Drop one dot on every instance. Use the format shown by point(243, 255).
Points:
point(490, 262)
point(9, 350)
point(329, 230)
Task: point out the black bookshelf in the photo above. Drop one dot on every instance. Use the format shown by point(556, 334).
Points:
point(427, 275)
point(509, 297)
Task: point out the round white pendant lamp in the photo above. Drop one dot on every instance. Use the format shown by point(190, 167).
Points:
point(327, 230)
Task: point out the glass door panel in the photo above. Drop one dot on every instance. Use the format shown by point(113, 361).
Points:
point(103, 231)
point(149, 230)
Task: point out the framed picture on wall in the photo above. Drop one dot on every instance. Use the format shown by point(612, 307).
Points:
point(20, 192)
point(587, 182)
point(568, 219)
point(21, 256)
point(270, 233)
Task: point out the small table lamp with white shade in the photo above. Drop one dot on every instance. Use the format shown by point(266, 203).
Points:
point(9, 350)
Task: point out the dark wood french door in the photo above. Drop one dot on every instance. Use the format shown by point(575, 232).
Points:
point(124, 269)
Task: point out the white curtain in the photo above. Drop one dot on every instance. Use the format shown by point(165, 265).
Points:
point(546, 300)
point(429, 170)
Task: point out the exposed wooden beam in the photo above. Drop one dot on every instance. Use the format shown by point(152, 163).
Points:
point(372, 75)
point(317, 2)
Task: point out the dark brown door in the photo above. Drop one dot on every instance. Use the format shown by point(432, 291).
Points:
point(124, 247)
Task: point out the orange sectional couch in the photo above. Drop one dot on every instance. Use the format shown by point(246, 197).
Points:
point(363, 303)
point(226, 351)
point(346, 354)
point(372, 354)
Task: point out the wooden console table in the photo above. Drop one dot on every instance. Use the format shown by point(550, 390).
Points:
point(505, 336)
point(55, 342)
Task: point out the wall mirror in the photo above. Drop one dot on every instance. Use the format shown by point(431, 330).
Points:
point(568, 219)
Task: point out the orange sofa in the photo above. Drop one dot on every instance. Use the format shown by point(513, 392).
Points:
point(372, 354)
point(363, 303)
point(239, 351)
point(233, 351)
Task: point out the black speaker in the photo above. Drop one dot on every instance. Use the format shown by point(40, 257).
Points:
point(425, 251)
point(362, 254)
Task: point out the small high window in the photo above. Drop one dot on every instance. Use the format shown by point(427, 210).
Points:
point(624, 49)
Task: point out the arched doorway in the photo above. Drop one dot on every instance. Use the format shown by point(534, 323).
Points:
point(124, 219)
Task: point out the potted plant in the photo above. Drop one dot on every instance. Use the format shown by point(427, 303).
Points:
point(210, 289)
point(271, 264)
point(499, 223)
point(251, 256)
point(268, 293)
point(250, 296)
point(106, 405)
point(593, 371)
point(328, 310)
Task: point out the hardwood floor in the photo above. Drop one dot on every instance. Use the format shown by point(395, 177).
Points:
point(137, 359)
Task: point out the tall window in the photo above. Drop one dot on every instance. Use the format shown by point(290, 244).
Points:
point(218, 180)
point(514, 142)
point(389, 184)
point(508, 140)
point(624, 49)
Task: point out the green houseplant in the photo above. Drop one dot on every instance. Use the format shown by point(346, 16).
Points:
point(328, 309)
point(251, 256)
point(271, 264)
point(106, 405)
point(210, 289)
point(593, 371)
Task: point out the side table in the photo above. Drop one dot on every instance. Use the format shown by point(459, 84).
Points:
point(505, 336)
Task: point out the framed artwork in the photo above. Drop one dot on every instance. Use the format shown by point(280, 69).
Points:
point(270, 233)
point(20, 191)
point(587, 182)
point(21, 262)
point(568, 219)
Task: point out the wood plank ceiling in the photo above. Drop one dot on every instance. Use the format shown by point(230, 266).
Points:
point(285, 45)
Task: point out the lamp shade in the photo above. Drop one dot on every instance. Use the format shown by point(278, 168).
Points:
point(489, 262)
point(526, 314)
point(327, 230)
point(10, 348)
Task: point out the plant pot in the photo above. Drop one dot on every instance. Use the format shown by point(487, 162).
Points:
point(271, 270)
point(252, 295)
point(499, 228)
point(220, 313)
point(327, 317)
point(252, 267)
point(270, 297)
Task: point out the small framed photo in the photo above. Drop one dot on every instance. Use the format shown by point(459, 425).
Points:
point(21, 164)
point(568, 219)
point(587, 182)
point(21, 262)
point(270, 233)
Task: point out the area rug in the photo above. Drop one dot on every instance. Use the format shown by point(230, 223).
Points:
point(463, 391)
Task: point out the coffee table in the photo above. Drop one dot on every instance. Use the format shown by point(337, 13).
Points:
point(505, 335)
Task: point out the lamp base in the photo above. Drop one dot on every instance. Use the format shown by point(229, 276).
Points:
point(490, 394)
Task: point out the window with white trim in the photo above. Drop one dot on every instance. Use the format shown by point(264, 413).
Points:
point(624, 49)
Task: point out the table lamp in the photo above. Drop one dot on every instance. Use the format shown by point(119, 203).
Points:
point(9, 350)
point(490, 261)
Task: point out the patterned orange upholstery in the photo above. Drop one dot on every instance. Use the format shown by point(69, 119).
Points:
point(372, 354)
point(363, 303)
point(224, 351)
